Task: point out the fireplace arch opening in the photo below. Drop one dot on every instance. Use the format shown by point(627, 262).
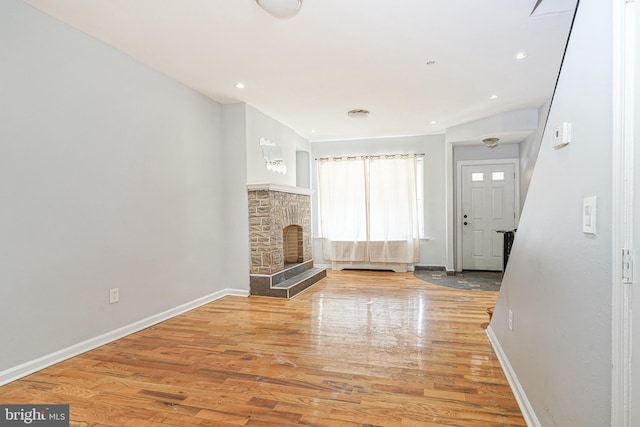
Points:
point(292, 244)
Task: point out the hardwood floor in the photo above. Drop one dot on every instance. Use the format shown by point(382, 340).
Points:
point(357, 349)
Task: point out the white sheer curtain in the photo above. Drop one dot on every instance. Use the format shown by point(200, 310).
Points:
point(368, 209)
point(343, 215)
point(393, 210)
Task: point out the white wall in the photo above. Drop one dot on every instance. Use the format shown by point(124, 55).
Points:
point(558, 280)
point(111, 175)
point(433, 251)
point(505, 126)
point(303, 169)
point(529, 153)
point(259, 125)
point(235, 204)
point(480, 152)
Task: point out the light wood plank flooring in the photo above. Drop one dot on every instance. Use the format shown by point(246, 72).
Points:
point(357, 349)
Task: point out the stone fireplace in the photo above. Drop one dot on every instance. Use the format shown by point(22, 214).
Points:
point(277, 215)
point(279, 236)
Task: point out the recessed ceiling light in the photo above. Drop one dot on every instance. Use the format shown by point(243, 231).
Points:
point(239, 85)
point(493, 97)
point(433, 122)
point(313, 131)
point(358, 113)
point(521, 55)
point(430, 62)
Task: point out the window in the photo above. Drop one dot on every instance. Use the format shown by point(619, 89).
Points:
point(477, 176)
point(369, 208)
point(497, 176)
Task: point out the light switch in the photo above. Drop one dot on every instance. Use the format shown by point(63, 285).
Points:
point(589, 215)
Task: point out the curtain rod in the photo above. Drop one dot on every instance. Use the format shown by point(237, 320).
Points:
point(373, 156)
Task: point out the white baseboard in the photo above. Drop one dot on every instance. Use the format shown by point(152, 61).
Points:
point(528, 413)
point(17, 372)
point(233, 293)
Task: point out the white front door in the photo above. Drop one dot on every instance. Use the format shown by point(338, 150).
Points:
point(488, 206)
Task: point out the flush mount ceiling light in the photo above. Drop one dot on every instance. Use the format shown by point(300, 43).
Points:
point(491, 142)
point(358, 114)
point(493, 97)
point(239, 85)
point(281, 8)
point(521, 55)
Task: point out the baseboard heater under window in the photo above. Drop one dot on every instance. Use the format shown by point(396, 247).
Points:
point(398, 267)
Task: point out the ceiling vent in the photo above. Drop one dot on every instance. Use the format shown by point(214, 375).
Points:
point(358, 114)
point(491, 142)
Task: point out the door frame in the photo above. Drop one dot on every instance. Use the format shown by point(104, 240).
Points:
point(458, 217)
point(625, 90)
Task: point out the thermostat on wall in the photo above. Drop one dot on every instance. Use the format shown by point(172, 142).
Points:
point(561, 135)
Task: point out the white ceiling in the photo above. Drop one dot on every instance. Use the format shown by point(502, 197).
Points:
point(338, 55)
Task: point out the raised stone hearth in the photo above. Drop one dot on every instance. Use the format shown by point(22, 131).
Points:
point(287, 283)
point(280, 240)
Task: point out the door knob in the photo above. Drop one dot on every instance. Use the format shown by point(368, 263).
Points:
point(465, 223)
point(465, 216)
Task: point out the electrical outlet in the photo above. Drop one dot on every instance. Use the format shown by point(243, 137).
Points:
point(510, 320)
point(114, 295)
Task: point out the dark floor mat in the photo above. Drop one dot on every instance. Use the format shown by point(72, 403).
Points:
point(470, 280)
